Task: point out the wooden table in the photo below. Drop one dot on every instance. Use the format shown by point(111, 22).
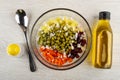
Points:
point(18, 68)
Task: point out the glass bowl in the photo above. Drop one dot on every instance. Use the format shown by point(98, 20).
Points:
point(54, 13)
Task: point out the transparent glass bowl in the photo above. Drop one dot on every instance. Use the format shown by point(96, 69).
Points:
point(54, 13)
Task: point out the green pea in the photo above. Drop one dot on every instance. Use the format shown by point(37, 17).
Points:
point(57, 47)
point(62, 47)
point(63, 40)
point(67, 39)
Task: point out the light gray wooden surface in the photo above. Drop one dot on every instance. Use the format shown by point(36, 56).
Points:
point(18, 68)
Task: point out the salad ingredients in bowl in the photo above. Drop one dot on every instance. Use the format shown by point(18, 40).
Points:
point(61, 40)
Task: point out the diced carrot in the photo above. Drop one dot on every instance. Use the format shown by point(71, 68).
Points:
point(70, 59)
point(59, 55)
point(44, 54)
point(54, 57)
point(56, 61)
point(42, 49)
point(54, 54)
point(47, 58)
point(61, 62)
point(64, 59)
point(50, 56)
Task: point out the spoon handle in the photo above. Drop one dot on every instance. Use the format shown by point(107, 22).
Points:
point(31, 61)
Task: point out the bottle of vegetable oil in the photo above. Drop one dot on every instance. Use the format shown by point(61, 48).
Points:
point(102, 42)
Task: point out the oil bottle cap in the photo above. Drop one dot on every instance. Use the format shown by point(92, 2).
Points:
point(104, 15)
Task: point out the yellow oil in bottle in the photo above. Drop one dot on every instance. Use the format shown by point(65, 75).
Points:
point(102, 42)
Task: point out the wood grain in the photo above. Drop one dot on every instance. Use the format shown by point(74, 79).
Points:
point(18, 68)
